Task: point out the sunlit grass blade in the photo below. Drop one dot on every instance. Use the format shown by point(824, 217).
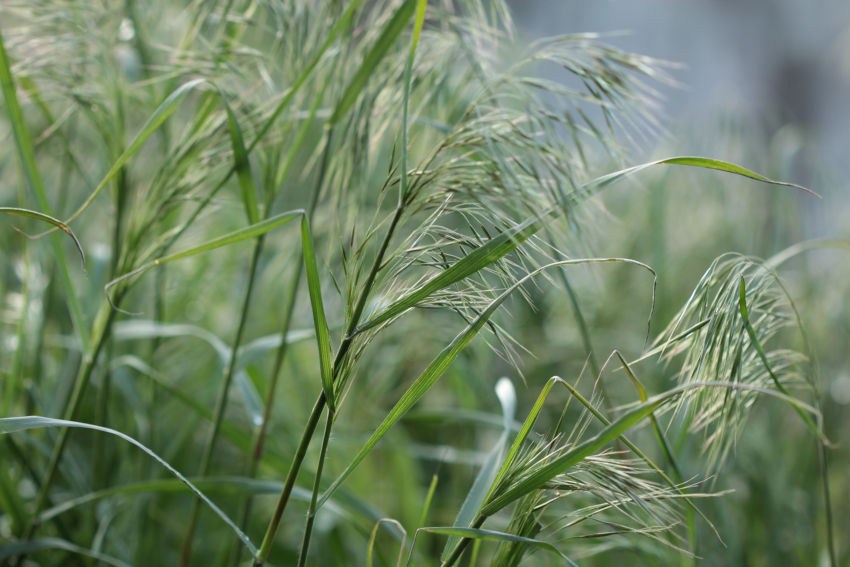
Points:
point(48, 219)
point(707, 163)
point(14, 424)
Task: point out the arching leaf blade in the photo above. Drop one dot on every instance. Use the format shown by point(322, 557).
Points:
point(48, 219)
point(490, 535)
point(14, 424)
point(53, 543)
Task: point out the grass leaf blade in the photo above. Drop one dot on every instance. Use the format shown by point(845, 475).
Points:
point(14, 424)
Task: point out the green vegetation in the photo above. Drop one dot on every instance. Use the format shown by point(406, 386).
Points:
point(317, 234)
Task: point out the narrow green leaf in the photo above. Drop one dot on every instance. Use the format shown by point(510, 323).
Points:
point(52, 543)
point(392, 30)
point(442, 362)
point(476, 260)
point(46, 218)
point(242, 166)
point(337, 29)
point(611, 178)
point(516, 447)
point(480, 488)
point(611, 432)
point(323, 337)
point(13, 424)
point(236, 236)
point(490, 535)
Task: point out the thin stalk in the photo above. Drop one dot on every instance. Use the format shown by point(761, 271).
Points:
point(221, 402)
point(290, 479)
point(320, 402)
point(260, 432)
point(824, 468)
point(311, 515)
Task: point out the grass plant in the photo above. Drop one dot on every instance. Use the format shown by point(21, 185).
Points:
point(450, 207)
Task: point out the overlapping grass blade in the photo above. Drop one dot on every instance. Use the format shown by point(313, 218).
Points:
point(617, 427)
point(433, 372)
point(14, 424)
point(323, 337)
point(491, 535)
point(53, 543)
point(236, 236)
point(480, 488)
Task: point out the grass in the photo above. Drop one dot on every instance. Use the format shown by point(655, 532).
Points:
point(451, 229)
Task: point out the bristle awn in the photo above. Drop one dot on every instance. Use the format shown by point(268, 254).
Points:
point(757, 344)
point(281, 106)
point(666, 449)
point(438, 366)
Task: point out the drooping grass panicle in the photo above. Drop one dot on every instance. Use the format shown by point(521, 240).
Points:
point(718, 348)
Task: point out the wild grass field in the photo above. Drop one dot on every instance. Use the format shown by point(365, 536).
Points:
point(290, 282)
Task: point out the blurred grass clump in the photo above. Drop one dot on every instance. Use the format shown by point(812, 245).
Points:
point(361, 286)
